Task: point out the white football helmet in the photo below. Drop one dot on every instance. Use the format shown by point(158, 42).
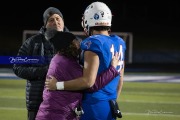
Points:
point(96, 14)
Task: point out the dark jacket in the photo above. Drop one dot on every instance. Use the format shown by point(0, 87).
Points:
point(35, 74)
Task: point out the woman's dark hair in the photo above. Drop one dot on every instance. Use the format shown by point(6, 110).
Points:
point(71, 51)
point(64, 44)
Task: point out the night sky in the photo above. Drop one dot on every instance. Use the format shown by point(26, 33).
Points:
point(150, 21)
point(128, 15)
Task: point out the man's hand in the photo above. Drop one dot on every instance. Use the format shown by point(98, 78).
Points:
point(50, 83)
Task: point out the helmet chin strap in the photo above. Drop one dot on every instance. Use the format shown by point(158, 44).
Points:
point(86, 32)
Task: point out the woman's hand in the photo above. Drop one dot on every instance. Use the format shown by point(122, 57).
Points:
point(115, 60)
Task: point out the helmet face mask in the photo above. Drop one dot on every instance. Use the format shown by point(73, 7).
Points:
point(96, 14)
point(84, 27)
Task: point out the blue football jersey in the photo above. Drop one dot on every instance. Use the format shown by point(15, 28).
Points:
point(105, 47)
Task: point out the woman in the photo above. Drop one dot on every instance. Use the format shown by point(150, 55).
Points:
point(61, 105)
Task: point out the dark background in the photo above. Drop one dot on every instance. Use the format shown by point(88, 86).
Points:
point(155, 26)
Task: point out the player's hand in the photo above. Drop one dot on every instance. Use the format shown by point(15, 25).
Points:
point(50, 83)
point(115, 61)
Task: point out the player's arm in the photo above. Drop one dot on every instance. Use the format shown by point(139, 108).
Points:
point(101, 80)
point(106, 76)
point(91, 65)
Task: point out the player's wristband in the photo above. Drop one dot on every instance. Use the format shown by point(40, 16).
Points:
point(60, 85)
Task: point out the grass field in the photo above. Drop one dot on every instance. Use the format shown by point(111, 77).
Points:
point(138, 101)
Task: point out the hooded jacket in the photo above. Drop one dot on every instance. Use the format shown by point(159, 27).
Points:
point(34, 74)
